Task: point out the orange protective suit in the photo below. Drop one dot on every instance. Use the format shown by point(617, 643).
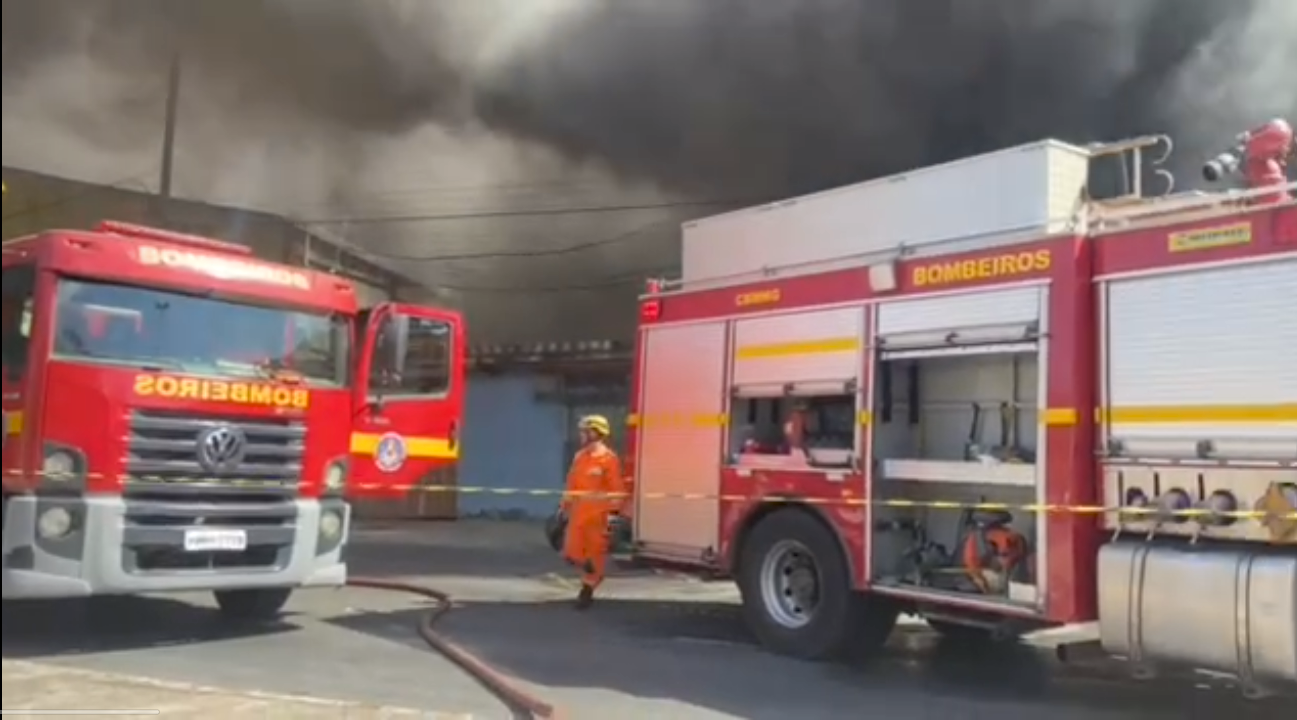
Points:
point(595, 470)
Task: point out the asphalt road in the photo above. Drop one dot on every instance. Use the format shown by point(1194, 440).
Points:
point(653, 648)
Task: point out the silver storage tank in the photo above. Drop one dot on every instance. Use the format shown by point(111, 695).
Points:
point(1215, 609)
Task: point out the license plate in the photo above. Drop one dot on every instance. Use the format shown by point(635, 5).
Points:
point(215, 540)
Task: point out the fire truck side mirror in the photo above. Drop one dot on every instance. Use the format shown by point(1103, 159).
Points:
point(390, 348)
point(400, 339)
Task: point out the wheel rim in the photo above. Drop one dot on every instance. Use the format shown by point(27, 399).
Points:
point(790, 584)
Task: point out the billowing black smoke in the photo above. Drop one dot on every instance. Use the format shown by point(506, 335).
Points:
point(721, 97)
point(375, 67)
point(818, 92)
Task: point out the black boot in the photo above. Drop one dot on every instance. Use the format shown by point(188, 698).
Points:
point(585, 598)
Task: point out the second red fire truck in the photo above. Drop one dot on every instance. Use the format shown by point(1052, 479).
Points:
point(976, 394)
point(179, 415)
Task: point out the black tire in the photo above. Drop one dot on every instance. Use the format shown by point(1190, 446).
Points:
point(844, 624)
point(255, 605)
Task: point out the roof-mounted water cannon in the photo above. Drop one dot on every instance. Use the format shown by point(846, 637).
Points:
point(1261, 155)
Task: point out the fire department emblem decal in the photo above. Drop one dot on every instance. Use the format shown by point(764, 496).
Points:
point(391, 453)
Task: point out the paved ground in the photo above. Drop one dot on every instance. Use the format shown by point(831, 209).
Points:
point(656, 648)
point(44, 688)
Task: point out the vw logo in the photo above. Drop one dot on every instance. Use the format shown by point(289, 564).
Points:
point(221, 448)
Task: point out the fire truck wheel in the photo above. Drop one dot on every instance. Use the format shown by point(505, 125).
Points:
point(798, 596)
point(252, 605)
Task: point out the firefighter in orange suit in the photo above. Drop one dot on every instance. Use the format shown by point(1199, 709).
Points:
point(592, 503)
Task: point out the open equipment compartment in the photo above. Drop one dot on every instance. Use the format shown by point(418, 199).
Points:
point(795, 392)
point(956, 407)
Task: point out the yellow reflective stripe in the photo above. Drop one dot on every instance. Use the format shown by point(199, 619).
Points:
point(1060, 417)
point(1184, 414)
point(805, 347)
point(697, 420)
point(14, 423)
point(1056, 416)
point(422, 448)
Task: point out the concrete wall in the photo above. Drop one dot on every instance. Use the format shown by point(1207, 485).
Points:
point(520, 434)
point(511, 441)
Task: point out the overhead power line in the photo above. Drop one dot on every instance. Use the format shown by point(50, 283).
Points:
point(612, 282)
point(492, 214)
point(505, 254)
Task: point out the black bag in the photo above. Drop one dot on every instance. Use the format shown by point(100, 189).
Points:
point(555, 529)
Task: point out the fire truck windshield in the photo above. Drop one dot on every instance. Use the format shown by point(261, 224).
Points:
point(142, 327)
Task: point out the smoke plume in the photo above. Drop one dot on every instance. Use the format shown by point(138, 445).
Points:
point(705, 96)
point(377, 107)
point(816, 92)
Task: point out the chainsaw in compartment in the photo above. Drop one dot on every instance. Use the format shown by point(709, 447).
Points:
point(987, 558)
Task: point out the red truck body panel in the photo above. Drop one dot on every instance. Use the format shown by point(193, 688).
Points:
point(1069, 266)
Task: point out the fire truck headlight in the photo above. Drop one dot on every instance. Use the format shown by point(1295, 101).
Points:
point(335, 478)
point(330, 526)
point(60, 467)
point(54, 523)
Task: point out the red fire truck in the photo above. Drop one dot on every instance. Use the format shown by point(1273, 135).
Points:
point(182, 416)
point(976, 394)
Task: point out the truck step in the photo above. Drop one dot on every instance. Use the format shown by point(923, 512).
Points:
point(1086, 633)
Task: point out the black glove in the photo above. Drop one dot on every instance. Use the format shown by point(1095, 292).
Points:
point(556, 529)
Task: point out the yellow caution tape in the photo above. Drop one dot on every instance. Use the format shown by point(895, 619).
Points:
point(860, 502)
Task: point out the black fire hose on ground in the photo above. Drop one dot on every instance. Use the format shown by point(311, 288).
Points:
point(519, 702)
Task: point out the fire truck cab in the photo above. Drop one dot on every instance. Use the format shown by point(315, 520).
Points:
point(976, 394)
point(182, 416)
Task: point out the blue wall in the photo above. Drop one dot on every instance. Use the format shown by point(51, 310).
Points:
point(511, 441)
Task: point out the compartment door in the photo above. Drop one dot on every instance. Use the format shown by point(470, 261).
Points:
point(682, 409)
point(994, 321)
point(1203, 362)
point(409, 398)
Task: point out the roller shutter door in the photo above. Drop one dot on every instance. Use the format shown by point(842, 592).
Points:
point(997, 321)
point(797, 348)
point(1204, 351)
point(951, 312)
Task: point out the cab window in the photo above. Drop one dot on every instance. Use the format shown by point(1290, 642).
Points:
point(422, 367)
point(16, 317)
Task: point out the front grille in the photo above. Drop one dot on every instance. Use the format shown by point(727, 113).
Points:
point(163, 456)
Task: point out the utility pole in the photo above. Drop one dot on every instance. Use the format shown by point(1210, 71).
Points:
point(169, 130)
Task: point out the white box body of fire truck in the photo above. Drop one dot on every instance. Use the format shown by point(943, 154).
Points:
point(974, 394)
